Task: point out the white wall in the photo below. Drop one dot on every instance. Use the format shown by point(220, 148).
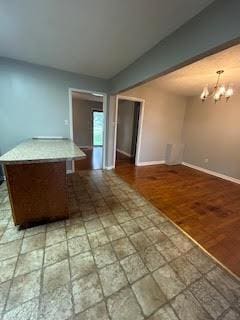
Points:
point(82, 120)
point(212, 131)
point(125, 126)
point(162, 123)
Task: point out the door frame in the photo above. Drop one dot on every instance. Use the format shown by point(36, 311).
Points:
point(104, 95)
point(92, 125)
point(140, 125)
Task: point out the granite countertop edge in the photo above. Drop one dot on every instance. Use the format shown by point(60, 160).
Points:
point(42, 151)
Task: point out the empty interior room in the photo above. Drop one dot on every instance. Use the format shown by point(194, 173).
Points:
point(119, 160)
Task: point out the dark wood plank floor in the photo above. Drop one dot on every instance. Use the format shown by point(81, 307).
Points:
point(123, 160)
point(206, 207)
point(93, 160)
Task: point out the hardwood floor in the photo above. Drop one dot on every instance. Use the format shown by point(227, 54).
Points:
point(206, 207)
point(93, 160)
point(123, 160)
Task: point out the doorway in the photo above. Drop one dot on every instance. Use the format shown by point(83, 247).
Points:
point(87, 128)
point(128, 126)
point(97, 128)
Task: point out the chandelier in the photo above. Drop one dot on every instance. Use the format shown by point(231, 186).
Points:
point(218, 91)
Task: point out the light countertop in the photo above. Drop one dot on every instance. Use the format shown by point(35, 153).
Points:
point(43, 150)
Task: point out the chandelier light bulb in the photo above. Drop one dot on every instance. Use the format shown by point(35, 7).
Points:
point(229, 92)
point(217, 96)
point(221, 90)
point(204, 94)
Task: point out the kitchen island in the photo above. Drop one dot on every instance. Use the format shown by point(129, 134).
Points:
point(37, 180)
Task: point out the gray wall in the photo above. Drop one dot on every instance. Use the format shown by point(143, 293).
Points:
point(125, 126)
point(212, 131)
point(162, 123)
point(34, 100)
point(217, 24)
point(82, 120)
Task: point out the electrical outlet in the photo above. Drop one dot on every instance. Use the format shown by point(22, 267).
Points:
point(66, 122)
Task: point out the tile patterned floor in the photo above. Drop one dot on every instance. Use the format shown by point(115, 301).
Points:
point(117, 258)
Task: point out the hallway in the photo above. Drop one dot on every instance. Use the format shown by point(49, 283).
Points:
point(93, 161)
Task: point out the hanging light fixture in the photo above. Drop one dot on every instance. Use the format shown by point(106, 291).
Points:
point(218, 91)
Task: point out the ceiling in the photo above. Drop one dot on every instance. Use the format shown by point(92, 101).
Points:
point(190, 80)
point(93, 37)
point(86, 96)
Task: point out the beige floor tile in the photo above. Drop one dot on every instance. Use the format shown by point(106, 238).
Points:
point(123, 248)
point(104, 255)
point(168, 250)
point(75, 230)
point(10, 249)
point(86, 292)
point(226, 284)
point(93, 225)
point(57, 305)
point(81, 265)
point(97, 312)
point(78, 245)
point(130, 227)
point(4, 288)
point(188, 308)
point(24, 288)
point(115, 232)
point(108, 221)
point(155, 235)
point(164, 313)
point(7, 268)
point(112, 278)
point(168, 281)
point(123, 305)
point(35, 230)
point(56, 253)
point(26, 311)
point(11, 234)
point(200, 260)
point(182, 242)
point(55, 276)
point(148, 294)
point(186, 271)
point(140, 241)
point(134, 267)
point(144, 223)
point(33, 243)
point(55, 225)
point(55, 236)
point(98, 238)
point(29, 261)
point(209, 297)
point(152, 258)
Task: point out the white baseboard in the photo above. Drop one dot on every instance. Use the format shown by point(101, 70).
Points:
point(69, 171)
point(213, 173)
point(150, 163)
point(109, 168)
point(125, 153)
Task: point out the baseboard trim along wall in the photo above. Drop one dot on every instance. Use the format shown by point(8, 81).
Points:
point(109, 168)
point(213, 173)
point(125, 153)
point(150, 163)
